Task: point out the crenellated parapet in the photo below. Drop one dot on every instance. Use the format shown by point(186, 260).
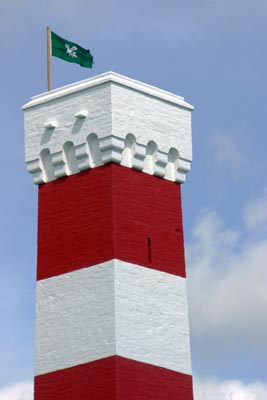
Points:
point(95, 152)
point(108, 118)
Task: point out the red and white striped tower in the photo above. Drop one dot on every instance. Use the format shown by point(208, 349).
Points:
point(109, 154)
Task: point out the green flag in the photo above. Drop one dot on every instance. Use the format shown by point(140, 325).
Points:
point(70, 51)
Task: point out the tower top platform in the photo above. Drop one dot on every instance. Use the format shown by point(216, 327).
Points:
point(107, 118)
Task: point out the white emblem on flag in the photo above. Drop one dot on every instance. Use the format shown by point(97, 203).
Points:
point(71, 51)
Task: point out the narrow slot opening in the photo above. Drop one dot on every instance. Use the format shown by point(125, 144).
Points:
point(149, 255)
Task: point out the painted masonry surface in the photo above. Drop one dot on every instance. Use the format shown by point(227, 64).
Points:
point(109, 155)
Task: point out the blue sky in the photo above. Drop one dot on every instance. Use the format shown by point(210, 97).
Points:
point(214, 54)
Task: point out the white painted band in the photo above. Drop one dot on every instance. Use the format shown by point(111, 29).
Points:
point(114, 308)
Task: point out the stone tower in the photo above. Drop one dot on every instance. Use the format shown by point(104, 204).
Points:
point(109, 155)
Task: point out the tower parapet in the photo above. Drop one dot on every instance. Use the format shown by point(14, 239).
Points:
point(108, 118)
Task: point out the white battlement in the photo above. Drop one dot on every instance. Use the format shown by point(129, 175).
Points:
point(107, 118)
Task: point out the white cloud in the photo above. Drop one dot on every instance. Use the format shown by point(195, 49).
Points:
point(17, 391)
point(229, 154)
point(229, 390)
point(255, 213)
point(227, 278)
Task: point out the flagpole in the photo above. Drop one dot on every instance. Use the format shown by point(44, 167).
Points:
point(48, 31)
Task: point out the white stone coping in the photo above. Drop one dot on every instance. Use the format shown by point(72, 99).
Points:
point(104, 78)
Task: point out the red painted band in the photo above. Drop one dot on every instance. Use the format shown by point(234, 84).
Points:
point(114, 378)
point(109, 212)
